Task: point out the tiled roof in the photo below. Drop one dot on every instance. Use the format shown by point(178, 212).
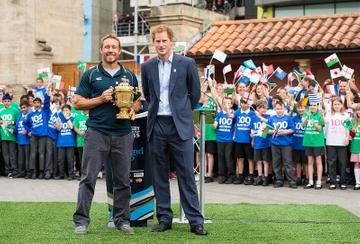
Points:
point(340, 31)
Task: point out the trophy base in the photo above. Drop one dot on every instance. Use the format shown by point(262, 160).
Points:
point(123, 114)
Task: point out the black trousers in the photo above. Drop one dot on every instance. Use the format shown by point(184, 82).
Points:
point(23, 159)
point(37, 146)
point(337, 154)
point(226, 161)
point(282, 155)
point(66, 154)
point(9, 154)
point(51, 157)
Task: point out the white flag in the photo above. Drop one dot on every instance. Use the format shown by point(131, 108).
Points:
point(219, 55)
point(227, 69)
point(347, 72)
point(335, 73)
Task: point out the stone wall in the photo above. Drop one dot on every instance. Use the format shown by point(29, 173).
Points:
point(24, 22)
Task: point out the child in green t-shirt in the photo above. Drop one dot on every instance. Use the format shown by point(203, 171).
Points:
point(80, 129)
point(355, 146)
point(314, 142)
point(8, 116)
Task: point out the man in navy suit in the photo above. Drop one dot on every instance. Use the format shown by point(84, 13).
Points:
point(171, 87)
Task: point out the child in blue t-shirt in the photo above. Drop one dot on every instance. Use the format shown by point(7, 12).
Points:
point(23, 141)
point(65, 142)
point(242, 139)
point(281, 141)
point(51, 169)
point(37, 121)
point(262, 153)
point(298, 152)
point(224, 122)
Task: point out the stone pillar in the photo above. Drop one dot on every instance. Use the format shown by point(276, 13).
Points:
point(187, 22)
point(303, 64)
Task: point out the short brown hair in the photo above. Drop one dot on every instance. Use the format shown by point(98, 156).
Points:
point(109, 36)
point(160, 29)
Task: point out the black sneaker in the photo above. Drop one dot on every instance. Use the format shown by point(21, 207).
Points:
point(258, 181)
point(309, 186)
point(238, 180)
point(47, 176)
point(41, 176)
point(20, 175)
point(221, 179)
point(278, 184)
point(229, 180)
point(33, 175)
point(293, 185)
point(298, 181)
point(332, 187)
point(209, 179)
point(27, 176)
point(249, 181)
point(59, 177)
point(266, 181)
point(343, 187)
point(318, 186)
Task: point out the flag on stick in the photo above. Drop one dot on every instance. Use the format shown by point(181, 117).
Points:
point(44, 72)
point(299, 75)
point(347, 72)
point(219, 55)
point(227, 69)
point(250, 64)
point(81, 66)
point(56, 79)
point(268, 70)
point(331, 60)
point(335, 73)
point(264, 130)
point(140, 59)
point(334, 89)
point(279, 73)
point(314, 98)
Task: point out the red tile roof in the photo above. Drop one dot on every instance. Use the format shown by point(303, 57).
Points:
point(340, 31)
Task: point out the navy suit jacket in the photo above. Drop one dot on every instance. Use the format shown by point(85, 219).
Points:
point(184, 93)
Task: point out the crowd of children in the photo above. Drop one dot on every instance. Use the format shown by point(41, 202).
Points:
point(298, 135)
point(42, 136)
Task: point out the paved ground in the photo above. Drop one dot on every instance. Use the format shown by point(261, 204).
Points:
point(66, 191)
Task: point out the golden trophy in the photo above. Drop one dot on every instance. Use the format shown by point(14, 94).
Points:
point(124, 98)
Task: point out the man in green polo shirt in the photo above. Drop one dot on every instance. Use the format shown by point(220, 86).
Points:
point(106, 136)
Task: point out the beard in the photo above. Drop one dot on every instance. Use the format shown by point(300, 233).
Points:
point(110, 59)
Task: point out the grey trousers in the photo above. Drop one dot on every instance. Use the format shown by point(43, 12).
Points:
point(283, 155)
point(97, 149)
point(51, 157)
point(9, 154)
point(23, 158)
point(66, 154)
point(337, 154)
point(37, 145)
point(226, 163)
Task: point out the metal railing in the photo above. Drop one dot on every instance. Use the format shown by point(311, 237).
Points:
point(127, 28)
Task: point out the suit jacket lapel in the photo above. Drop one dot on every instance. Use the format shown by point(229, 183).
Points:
point(156, 81)
point(173, 73)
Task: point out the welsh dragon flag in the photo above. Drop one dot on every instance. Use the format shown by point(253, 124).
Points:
point(331, 60)
point(264, 130)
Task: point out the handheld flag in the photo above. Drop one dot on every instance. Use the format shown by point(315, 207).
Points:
point(299, 75)
point(264, 130)
point(314, 98)
point(279, 73)
point(331, 60)
point(348, 124)
point(81, 66)
point(44, 72)
point(270, 86)
point(268, 70)
point(276, 130)
point(219, 55)
point(335, 73)
point(229, 88)
point(56, 79)
point(254, 77)
point(227, 69)
point(304, 101)
point(209, 70)
point(140, 59)
point(244, 79)
point(347, 72)
point(250, 64)
point(334, 89)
